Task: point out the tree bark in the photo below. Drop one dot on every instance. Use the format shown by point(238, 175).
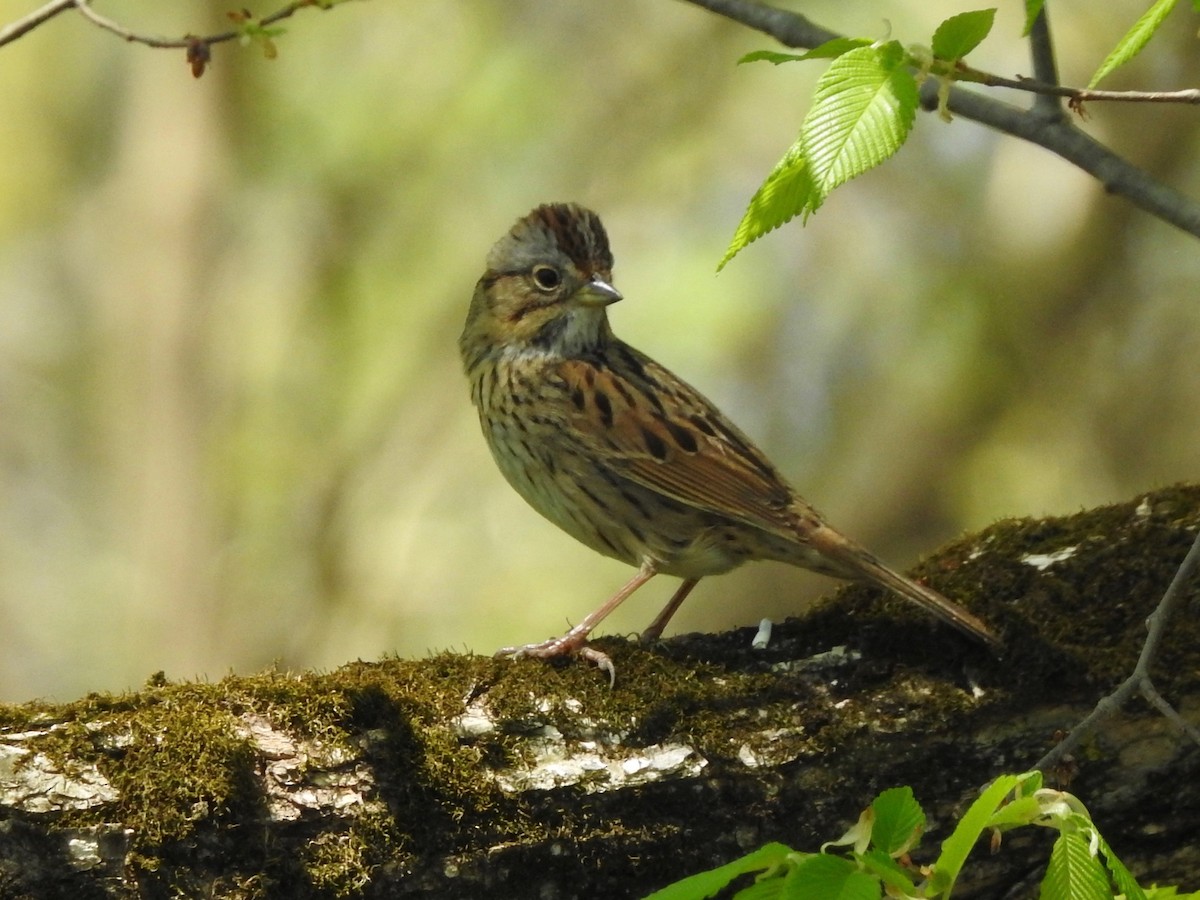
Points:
point(467, 776)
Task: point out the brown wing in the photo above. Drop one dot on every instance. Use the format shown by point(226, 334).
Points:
point(661, 433)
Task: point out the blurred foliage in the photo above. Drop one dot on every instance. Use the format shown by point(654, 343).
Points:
point(232, 423)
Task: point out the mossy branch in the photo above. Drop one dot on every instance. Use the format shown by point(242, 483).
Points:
point(464, 776)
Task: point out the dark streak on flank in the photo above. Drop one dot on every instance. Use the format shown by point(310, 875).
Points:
point(577, 397)
point(632, 499)
point(600, 504)
point(617, 552)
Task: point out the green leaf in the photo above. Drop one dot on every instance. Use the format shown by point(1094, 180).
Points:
point(890, 872)
point(1121, 876)
point(956, 847)
point(1170, 891)
point(864, 108)
point(960, 34)
point(1134, 40)
point(1073, 872)
point(705, 884)
point(767, 889)
point(1022, 811)
point(771, 56)
point(1032, 8)
point(786, 193)
point(862, 112)
point(899, 821)
point(825, 877)
point(827, 50)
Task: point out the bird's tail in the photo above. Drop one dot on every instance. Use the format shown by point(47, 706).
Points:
point(859, 564)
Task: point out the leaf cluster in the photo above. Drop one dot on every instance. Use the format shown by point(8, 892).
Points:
point(865, 104)
point(876, 863)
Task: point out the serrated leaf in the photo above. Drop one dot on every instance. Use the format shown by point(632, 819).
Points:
point(1134, 40)
point(863, 110)
point(824, 877)
point(1021, 811)
point(771, 56)
point(827, 50)
point(1121, 876)
point(899, 821)
point(1073, 873)
point(767, 889)
point(956, 847)
point(786, 193)
point(1169, 891)
point(838, 46)
point(1032, 9)
point(890, 872)
point(1029, 784)
point(857, 835)
point(960, 34)
point(705, 884)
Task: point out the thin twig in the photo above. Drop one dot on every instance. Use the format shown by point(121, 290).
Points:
point(1139, 680)
point(26, 24)
point(1117, 175)
point(85, 7)
point(1076, 95)
point(1155, 699)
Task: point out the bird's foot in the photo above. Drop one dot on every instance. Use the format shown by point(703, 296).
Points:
point(568, 645)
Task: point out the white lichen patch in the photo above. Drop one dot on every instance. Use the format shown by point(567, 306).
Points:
point(834, 658)
point(1043, 561)
point(307, 776)
point(597, 766)
point(773, 747)
point(34, 783)
point(476, 720)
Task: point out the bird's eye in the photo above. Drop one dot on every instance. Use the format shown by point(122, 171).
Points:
point(547, 278)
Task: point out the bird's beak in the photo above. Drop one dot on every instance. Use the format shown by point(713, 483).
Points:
point(597, 293)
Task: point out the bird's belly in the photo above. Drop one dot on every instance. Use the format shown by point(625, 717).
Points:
point(548, 480)
point(610, 514)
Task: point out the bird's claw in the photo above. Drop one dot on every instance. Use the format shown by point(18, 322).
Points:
point(563, 646)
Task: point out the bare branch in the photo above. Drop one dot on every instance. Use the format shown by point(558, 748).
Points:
point(85, 7)
point(789, 28)
point(1045, 67)
point(187, 42)
point(1139, 681)
point(24, 25)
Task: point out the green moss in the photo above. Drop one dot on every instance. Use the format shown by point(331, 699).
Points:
point(340, 863)
point(1076, 622)
point(184, 768)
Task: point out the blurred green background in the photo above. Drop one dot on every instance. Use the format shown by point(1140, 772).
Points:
point(233, 428)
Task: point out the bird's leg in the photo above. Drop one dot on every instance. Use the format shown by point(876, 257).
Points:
point(655, 629)
point(574, 642)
